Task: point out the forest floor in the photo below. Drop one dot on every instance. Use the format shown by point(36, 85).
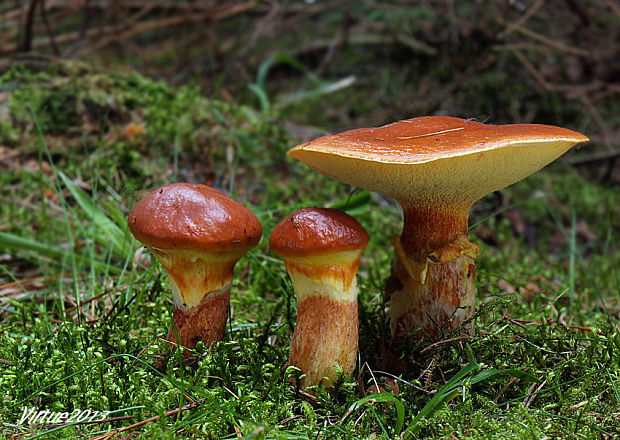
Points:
point(84, 312)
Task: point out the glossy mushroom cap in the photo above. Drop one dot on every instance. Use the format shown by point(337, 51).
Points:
point(184, 216)
point(317, 231)
point(197, 233)
point(321, 247)
point(436, 159)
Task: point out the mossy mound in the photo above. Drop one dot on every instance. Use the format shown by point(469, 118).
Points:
point(128, 122)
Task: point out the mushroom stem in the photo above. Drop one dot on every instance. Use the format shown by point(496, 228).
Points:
point(206, 321)
point(432, 286)
point(200, 284)
point(326, 332)
point(427, 227)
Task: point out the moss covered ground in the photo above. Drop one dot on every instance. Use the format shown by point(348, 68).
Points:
point(83, 316)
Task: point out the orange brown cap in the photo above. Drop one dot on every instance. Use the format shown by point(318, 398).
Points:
point(435, 158)
point(193, 217)
point(317, 231)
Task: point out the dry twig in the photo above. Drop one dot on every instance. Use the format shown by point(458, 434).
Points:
point(546, 40)
point(522, 20)
point(116, 33)
point(445, 341)
point(152, 419)
point(520, 323)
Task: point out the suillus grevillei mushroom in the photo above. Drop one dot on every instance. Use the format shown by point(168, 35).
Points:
point(321, 248)
point(436, 167)
point(198, 235)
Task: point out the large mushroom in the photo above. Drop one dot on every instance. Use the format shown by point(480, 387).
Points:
point(198, 235)
point(321, 248)
point(436, 167)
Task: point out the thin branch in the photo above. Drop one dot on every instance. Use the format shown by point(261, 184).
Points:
point(86, 422)
point(614, 7)
point(26, 44)
point(48, 28)
point(445, 341)
point(546, 40)
point(116, 36)
point(85, 20)
point(152, 419)
point(365, 39)
point(540, 79)
point(522, 20)
point(109, 31)
point(596, 116)
point(520, 323)
point(603, 156)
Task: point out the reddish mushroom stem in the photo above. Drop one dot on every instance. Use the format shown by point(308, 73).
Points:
point(427, 227)
point(206, 321)
point(433, 272)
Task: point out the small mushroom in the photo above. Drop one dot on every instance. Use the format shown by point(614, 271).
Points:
point(198, 235)
point(321, 249)
point(436, 167)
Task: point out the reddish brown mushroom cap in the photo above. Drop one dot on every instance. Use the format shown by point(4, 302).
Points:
point(431, 138)
point(193, 217)
point(317, 231)
point(437, 159)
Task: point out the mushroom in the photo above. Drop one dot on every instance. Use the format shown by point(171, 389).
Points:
point(321, 248)
point(436, 167)
point(197, 234)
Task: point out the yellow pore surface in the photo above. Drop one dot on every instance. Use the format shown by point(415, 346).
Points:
point(458, 180)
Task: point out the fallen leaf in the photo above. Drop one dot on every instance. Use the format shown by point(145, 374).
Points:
point(505, 286)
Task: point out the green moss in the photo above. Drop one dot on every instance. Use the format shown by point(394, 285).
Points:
point(55, 358)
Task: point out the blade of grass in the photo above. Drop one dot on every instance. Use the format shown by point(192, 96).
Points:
point(445, 393)
point(265, 67)
point(571, 263)
point(353, 203)
point(382, 398)
point(263, 100)
point(379, 422)
point(452, 388)
point(108, 230)
point(613, 386)
point(320, 90)
point(586, 273)
point(12, 241)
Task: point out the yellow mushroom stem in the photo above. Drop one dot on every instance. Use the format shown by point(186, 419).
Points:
point(326, 332)
point(432, 286)
point(200, 284)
